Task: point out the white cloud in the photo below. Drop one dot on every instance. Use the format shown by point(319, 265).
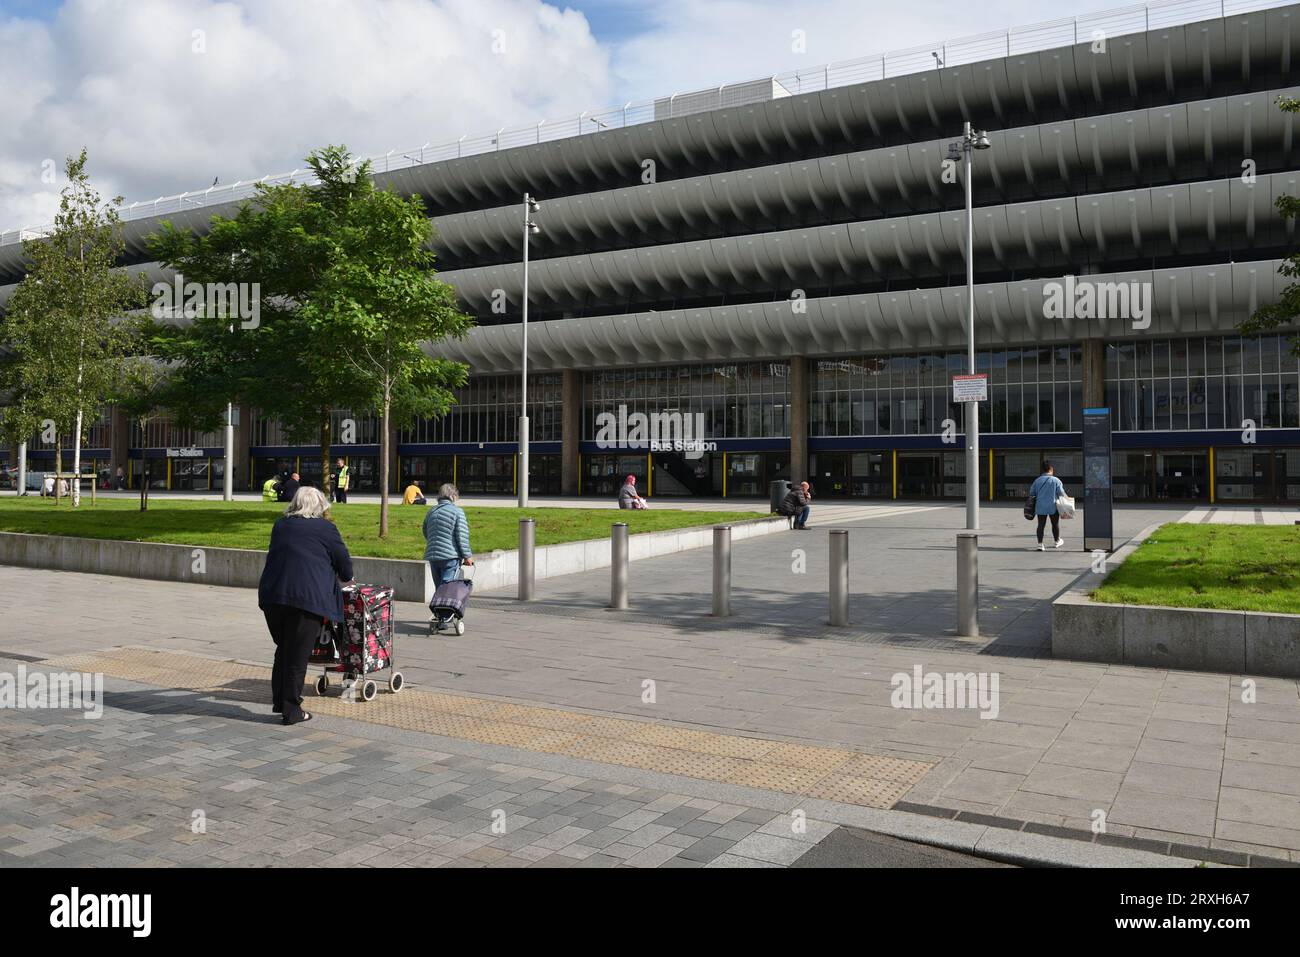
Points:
point(276, 79)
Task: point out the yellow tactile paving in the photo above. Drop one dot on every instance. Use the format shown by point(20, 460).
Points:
point(831, 773)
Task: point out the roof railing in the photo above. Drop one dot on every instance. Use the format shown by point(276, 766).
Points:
point(1122, 21)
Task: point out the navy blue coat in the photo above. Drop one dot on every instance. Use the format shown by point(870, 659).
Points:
point(304, 564)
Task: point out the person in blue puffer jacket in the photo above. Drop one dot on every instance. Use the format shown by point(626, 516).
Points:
point(446, 536)
point(1047, 488)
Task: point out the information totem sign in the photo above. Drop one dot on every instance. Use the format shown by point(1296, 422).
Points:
point(1098, 524)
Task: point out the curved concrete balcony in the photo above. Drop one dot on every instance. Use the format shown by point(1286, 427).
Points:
point(1197, 219)
point(1192, 219)
point(1052, 158)
point(1185, 301)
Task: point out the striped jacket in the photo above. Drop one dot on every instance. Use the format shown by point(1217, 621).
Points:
point(446, 532)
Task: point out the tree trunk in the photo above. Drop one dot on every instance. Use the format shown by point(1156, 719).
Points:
point(326, 481)
point(384, 455)
point(58, 468)
point(76, 462)
point(144, 483)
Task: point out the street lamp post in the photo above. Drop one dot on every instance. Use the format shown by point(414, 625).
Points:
point(531, 205)
point(972, 140)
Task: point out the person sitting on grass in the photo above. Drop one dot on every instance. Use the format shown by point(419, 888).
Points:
point(414, 494)
point(289, 487)
point(628, 497)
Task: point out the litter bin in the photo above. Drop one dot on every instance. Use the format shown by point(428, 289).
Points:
point(780, 489)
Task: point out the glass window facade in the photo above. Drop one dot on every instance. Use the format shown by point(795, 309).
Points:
point(98, 435)
point(743, 400)
point(487, 410)
point(1037, 389)
point(365, 430)
point(161, 433)
point(1203, 383)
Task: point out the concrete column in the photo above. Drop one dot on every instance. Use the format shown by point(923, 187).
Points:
point(799, 386)
point(570, 430)
point(243, 442)
point(119, 440)
point(1094, 373)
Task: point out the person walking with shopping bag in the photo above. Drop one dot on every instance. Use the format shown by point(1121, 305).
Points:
point(1047, 488)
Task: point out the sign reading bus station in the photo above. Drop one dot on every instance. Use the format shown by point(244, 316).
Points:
point(970, 388)
point(186, 453)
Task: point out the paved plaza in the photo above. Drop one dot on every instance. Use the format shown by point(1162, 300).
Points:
point(561, 732)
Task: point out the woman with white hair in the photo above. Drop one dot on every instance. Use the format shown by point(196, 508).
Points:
point(446, 536)
point(299, 589)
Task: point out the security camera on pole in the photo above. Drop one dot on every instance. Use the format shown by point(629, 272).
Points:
point(531, 206)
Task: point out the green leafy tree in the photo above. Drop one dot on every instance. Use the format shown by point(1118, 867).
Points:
point(1286, 311)
point(382, 304)
point(346, 295)
point(67, 325)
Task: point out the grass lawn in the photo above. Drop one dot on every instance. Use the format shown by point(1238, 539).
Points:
point(1229, 567)
point(248, 524)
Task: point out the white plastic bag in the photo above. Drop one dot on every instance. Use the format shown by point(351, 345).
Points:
point(1065, 506)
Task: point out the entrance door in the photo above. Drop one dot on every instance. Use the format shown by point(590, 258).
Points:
point(1183, 476)
point(1287, 471)
point(679, 475)
point(919, 474)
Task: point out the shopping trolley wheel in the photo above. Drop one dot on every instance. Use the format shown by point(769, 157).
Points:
point(396, 683)
point(368, 691)
point(460, 626)
point(322, 684)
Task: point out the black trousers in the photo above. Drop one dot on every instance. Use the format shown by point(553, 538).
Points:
point(1056, 527)
point(294, 631)
point(341, 495)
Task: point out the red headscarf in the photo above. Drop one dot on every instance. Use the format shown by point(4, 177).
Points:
point(631, 479)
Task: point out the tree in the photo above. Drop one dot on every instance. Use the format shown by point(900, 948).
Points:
point(67, 322)
point(1286, 311)
point(382, 303)
point(144, 386)
point(346, 292)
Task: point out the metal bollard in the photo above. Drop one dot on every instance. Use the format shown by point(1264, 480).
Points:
point(722, 571)
point(839, 577)
point(527, 540)
point(618, 565)
point(968, 584)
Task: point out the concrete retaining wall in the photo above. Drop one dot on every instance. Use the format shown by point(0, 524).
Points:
point(242, 568)
point(1193, 639)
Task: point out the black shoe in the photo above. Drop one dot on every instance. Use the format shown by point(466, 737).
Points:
point(302, 716)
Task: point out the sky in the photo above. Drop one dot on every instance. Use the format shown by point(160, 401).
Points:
point(168, 95)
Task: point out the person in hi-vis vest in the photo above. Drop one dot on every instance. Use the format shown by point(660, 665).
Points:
point(269, 491)
point(341, 483)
